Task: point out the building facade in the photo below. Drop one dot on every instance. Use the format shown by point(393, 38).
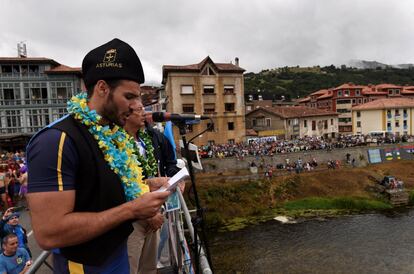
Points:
point(391, 115)
point(33, 93)
point(343, 98)
point(208, 88)
point(292, 122)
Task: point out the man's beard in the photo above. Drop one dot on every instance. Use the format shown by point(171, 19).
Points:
point(110, 111)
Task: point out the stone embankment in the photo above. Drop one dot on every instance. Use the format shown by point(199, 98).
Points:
point(360, 154)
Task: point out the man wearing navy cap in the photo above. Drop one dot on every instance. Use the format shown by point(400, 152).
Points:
point(83, 183)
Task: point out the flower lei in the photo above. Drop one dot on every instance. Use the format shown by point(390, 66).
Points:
point(116, 145)
point(148, 163)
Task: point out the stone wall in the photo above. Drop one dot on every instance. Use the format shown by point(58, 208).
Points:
point(322, 156)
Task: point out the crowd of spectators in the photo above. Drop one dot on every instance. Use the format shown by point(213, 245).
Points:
point(12, 174)
point(270, 146)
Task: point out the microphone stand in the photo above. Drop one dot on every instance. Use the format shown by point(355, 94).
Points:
point(198, 220)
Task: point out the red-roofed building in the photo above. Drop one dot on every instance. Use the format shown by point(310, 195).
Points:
point(33, 93)
point(392, 115)
point(346, 96)
point(292, 122)
point(208, 88)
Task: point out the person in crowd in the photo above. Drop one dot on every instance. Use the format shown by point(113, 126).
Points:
point(3, 186)
point(84, 167)
point(13, 259)
point(10, 224)
point(23, 182)
point(156, 155)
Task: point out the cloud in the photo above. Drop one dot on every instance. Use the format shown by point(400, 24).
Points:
point(263, 34)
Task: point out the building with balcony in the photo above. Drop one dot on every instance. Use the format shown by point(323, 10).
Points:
point(292, 122)
point(392, 115)
point(343, 98)
point(208, 88)
point(33, 93)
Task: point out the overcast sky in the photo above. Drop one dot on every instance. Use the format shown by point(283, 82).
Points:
point(263, 33)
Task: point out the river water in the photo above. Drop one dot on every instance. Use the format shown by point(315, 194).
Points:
point(371, 243)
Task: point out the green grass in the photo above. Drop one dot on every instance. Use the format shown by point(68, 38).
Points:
point(411, 197)
point(350, 203)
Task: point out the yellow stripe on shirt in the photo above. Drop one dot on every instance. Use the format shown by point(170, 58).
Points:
point(59, 162)
point(75, 268)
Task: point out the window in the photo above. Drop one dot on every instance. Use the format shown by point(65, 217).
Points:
point(344, 120)
point(359, 101)
point(209, 108)
point(397, 91)
point(230, 125)
point(390, 91)
point(343, 110)
point(248, 108)
point(228, 106)
point(313, 125)
point(228, 89)
point(268, 122)
point(325, 124)
point(405, 123)
point(208, 71)
point(254, 122)
point(6, 69)
point(305, 123)
point(188, 108)
point(187, 90)
point(231, 141)
point(397, 123)
point(389, 125)
point(353, 101)
point(357, 92)
point(389, 113)
point(61, 92)
point(359, 124)
point(207, 89)
point(210, 142)
point(346, 93)
point(358, 114)
point(210, 127)
point(397, 112)
point(331, 122)
point(343, 102)
point(339, 93)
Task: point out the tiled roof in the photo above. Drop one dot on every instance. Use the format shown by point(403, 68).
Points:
point(320, 92)
point(349, 86)
point(304, 100)
point(384, 86)
point(251, 132)
point(221, 67)
point(149, 95)
point(61, 69)
point(326, 95)
point(28, 60)
point(386, 103)
point(300, 111)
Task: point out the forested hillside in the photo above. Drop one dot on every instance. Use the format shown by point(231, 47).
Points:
point(293, 82)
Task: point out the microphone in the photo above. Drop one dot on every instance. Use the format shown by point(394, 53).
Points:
point(158, 117)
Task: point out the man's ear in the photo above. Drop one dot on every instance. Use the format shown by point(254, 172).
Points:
point(101, 88)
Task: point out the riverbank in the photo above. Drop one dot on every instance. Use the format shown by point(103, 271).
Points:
point(326, 193)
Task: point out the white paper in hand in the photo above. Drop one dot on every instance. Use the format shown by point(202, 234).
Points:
point(173, 181)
